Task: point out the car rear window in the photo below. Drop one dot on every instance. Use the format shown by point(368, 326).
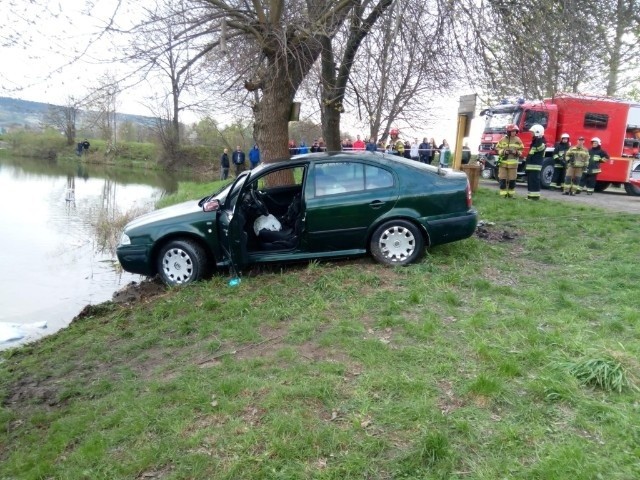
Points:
point(346, 177)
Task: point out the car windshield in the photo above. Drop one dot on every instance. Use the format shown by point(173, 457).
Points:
point(499, 118)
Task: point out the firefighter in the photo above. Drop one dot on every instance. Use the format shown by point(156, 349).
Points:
point(534, 162)
point(395, 144)
point(509, 151)
point(577, 158)
point(560, 161)
point(596, 156)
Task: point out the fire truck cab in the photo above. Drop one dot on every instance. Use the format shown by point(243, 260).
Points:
point(615, 122)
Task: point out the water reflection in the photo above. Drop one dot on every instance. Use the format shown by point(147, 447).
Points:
point(52, 262)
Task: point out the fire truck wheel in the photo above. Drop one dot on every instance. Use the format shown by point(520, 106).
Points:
point(546, 174)
point(601, 186)
point(632, 189)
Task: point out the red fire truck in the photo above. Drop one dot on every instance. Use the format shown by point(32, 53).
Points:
point(615, 122)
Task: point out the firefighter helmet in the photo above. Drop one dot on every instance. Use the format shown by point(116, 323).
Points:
point(394, 131)
point(595, 139)
point(537, 130)
point(564, 135)
point(512, 127)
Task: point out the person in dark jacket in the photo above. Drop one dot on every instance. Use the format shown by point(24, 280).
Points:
point(596, 156)
point(371, 145)
point(224, 165)
point(425, 151)
point(534, 162)
point(254, 156)
point(238, 159)
point(560, 162)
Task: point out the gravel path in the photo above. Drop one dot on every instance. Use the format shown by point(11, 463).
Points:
point(613, 199)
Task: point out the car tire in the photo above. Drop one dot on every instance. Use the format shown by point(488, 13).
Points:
point(487, 173)
point(632, 189)
point(546, 173)
point(181, 262)
point(397, 242)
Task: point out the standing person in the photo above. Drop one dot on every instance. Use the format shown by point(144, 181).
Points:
point(560, 161)
point(407, 149)
point(596, 156)
point(358, 144)
point(509, 151)
point(238, 160)
point(445, 154)
point(424, 150)
point(534, 161)
point(321, 146)
point(254, 156)
point(466, 154)
point(371, 145)
point(315, 147)
point(434, 150)
point(577, 159)
point(293, 149)
point(224, 164)
point(414, 150)
point(303, 148)
point(85, 146)
point(396, 146)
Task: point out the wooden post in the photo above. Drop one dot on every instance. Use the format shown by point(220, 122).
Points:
point(462, 128)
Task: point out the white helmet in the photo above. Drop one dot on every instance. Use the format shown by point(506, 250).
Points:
point(595, 139)
point(564, 135)
point(537, 130)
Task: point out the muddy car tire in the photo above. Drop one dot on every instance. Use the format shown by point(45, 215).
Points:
point(180, 262)
point(397, 243)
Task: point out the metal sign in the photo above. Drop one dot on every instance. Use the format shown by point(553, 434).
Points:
point(467, 105)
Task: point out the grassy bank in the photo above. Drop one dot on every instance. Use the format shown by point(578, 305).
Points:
point(509, 355)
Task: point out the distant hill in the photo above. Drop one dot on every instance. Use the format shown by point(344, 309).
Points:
point(16, 113)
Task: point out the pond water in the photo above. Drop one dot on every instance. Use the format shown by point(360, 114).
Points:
point(51, 264)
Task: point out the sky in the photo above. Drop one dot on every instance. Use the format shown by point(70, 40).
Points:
point(59, 53)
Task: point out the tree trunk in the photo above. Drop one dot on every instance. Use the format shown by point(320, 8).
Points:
point(271, 116)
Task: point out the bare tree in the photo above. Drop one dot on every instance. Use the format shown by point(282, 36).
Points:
point(64, 118)
point(403, 65)
point(164, 51)
point(268, 45)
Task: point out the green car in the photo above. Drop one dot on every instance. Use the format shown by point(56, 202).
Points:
point(313, 206)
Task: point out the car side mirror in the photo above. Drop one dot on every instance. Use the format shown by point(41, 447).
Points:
point(211, 205)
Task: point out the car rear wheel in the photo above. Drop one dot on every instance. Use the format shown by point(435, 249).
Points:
point(397, 242)
point(181, 262)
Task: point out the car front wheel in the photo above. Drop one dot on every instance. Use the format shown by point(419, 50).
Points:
point(397, 242)
point(181, 262)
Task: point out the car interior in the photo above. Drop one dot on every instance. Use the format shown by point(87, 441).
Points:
point(285, 204)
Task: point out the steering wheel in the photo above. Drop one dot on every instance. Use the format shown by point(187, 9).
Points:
point(258, 203)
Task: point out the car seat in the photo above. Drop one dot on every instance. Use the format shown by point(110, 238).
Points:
point(288, 236)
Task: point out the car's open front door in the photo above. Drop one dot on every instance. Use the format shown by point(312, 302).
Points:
point(231, 225)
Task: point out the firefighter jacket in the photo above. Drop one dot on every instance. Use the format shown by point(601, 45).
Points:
point(578, 156)
point(509, 150)
point(596, 156)
point(536, 153)
point(396, 146)
point(559, 154)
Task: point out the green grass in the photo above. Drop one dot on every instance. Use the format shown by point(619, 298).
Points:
point(490, 359)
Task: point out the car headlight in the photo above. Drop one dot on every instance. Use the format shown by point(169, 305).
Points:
point(124, 239)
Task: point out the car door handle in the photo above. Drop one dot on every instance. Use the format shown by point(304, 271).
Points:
point(376, 204)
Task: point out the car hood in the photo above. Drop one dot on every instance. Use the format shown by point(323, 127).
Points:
point(173, 212)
